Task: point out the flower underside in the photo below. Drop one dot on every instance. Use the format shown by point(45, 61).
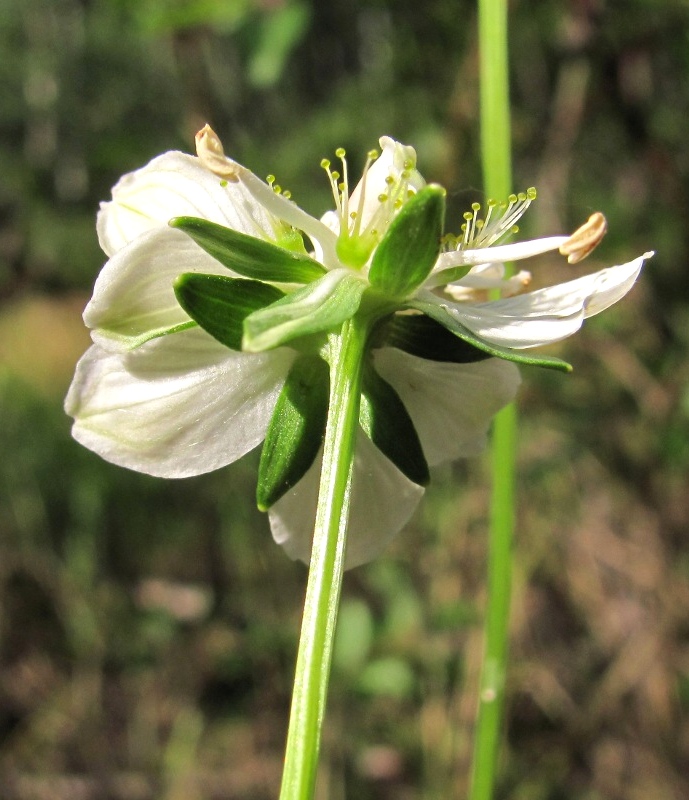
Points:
point(213, 327)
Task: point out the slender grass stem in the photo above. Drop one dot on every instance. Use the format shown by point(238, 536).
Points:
point(497, 172)
point(327, 564)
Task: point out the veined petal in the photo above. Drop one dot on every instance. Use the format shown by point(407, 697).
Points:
point(133, 298)
point(177, 185)
point(383, 500)
point(451, 405)
point(499, 253)
point(178, 406)
point(546, 315)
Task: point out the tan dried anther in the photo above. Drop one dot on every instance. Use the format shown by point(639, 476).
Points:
point(585, 239)
point(210, 151)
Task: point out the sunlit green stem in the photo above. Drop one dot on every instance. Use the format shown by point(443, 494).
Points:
point(327, 563)
point(496, 151)
point(497, 172)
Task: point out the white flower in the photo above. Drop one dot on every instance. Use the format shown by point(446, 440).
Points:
point(158, 394)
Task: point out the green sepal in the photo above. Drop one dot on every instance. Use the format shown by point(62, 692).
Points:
point(386, 422)
point(422, 336)
point(409, 249)
point(296, 430)
point(442, 315)
point(249, 256)
point(319, 306)
point(220, 304)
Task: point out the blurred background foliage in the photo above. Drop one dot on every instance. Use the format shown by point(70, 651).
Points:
point(148, 628)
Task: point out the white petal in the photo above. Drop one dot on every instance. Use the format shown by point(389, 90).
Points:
point(500, 253)
point(548, 315)
point(451, 405)
point(383, 500)
point(177, 406)
point(133, 296)
point(175, 185)
point(390, 163)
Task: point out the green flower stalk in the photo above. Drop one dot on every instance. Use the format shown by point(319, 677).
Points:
point(359, 348)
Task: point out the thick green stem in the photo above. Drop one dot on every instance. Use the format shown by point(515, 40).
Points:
point(327, 563)
point(496, 158)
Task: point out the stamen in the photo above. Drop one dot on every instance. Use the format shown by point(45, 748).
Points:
point(585, 239)
point(371, 156)
point(344, 185)
point(499, 220)
point(270, 180)
point(333, 178)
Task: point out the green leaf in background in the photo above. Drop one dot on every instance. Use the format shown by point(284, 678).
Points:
point(388, 677)
point(157, 16)
point(354, 637)
point(422, 336)
point(443, 316)
point(248, 255)
point(296, 430)
point(220, 304)
point(280, 31)
point(319, 306)
point(407, 252)
point(386, 422)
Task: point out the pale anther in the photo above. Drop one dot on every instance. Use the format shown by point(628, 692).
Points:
point(585, 239)
point(210, 151)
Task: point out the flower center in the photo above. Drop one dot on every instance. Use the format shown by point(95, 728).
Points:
point(363, 219)
point(499, 220)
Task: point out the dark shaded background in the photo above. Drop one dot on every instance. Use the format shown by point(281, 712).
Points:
point(148, 628)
